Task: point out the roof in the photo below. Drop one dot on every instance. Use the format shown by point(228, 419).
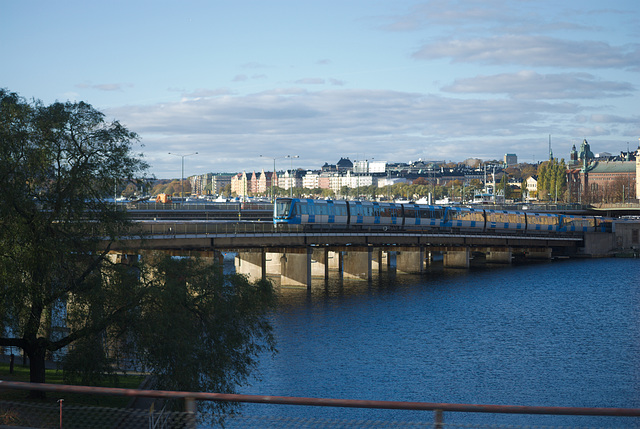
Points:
point(612, 167)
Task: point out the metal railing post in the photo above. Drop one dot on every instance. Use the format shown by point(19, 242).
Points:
point(190, 408)
point(438, 419)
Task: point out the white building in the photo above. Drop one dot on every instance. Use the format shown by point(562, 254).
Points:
point(289, 179)
point(310, 180)
point(532, 186)
point(377, 167)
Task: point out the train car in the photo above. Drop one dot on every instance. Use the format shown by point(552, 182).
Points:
point(574, 223)
point(543, 222)
point(297, 211)
point(371, 214)
point(464, 218)
point(505, 220)
point(604, 224)
point(421, 215)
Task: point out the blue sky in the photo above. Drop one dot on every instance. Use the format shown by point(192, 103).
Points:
point(385, 80)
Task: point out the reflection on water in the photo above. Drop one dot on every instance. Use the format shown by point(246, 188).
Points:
point(549, 334)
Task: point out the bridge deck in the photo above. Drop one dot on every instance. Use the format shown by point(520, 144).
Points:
point(242, 235)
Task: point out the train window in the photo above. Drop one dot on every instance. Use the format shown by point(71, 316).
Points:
point(409, 212)
point(283, 208)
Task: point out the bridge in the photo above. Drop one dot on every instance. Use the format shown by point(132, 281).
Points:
point(297, 254)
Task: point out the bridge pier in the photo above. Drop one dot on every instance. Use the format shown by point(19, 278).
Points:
point(357, 263)
point(496, 255)
point(320, 262)
point(296, 268)
point(538, 253)
point(378, 260)
point(273, 265)
point(252, 264)
point(456, 257)
point(410, 260)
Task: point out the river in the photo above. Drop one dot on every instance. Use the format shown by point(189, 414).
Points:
point(563, 333)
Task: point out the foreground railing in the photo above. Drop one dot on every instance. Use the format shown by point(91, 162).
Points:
point(147, 416)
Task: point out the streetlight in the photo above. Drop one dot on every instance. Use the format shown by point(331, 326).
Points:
point(292, 182)
point(182, 176)
point(273, 198)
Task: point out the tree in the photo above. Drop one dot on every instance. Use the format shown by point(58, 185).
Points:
point(57, 165)
point(199, 329)
point(552, 179)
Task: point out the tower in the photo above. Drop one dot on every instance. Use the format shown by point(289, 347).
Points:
point(573, 155)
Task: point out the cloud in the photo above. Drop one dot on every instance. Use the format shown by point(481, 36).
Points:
point(528, 84)
point(231, 131)
point(311, 81)
point(534, 51)
point(204, 92)
point(105, 86)
point(451, 13)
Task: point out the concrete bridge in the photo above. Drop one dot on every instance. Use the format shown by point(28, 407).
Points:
point(297, 255)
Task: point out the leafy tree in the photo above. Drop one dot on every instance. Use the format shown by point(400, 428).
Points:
point(57, 165)
point(193, 326)
point(552, 179)
point(199, 329)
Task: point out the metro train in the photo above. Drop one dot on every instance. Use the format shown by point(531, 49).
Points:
point(412, 216)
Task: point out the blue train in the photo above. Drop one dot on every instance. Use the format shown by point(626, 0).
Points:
point(407, 216)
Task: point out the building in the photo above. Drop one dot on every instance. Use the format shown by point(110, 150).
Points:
point(240, 184)
point(609, 181)
point(199, 183)
point(510, 159)
point(344, 165)
point(311, 180)
point(290, 179)
point(219, 182)
point(532, 186)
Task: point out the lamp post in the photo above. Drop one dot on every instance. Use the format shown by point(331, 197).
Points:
point(182, 175)
point(273, 197)
point(291, 181)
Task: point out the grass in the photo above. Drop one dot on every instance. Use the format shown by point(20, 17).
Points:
point(54, 376)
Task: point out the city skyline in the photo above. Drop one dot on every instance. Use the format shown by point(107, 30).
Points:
point(388, 81)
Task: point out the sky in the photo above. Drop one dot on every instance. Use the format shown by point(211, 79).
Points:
point(248, 83)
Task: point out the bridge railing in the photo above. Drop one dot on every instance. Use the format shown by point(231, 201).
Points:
point(146, 413)
point(196, 228)
point(202, 206)
point(142, 413)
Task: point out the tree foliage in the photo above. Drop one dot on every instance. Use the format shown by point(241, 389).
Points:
point(57, 164)
point(552, 179)
point(199, 329)
point(60, 286)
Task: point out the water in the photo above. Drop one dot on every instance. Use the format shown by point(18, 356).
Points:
point(551, 334)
